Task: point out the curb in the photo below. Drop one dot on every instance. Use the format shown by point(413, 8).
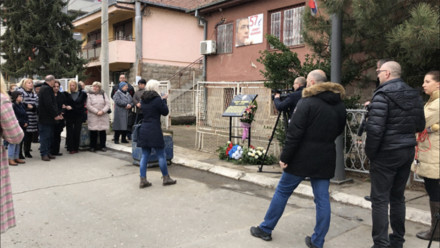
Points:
point(412, 214)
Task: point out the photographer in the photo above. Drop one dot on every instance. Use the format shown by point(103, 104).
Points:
point(289, 103)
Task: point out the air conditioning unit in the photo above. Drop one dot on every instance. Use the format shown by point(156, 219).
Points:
point(207, 47)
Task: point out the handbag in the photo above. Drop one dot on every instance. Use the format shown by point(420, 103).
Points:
point(109, 111)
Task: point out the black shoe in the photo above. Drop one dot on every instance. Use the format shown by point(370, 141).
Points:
point(20, 156)
point(59, 154)
point(28, 155)
point(92, 150)
point(124, 141)
point(116, 142)
point(309, 242)
point(257, 232)
point(104, 149)
point(367, 197)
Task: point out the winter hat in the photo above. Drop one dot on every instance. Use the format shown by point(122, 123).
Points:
point(14, 95)
point(121, 85)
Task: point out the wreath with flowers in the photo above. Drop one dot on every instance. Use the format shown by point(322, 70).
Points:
point(249, 113)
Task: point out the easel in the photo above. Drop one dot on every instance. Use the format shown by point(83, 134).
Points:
point(236, 109)
point(231, 136)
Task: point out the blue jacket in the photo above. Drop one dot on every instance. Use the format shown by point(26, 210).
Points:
point(20, 113)
point(150, 134)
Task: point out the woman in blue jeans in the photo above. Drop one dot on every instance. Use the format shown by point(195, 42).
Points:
point(150, 134)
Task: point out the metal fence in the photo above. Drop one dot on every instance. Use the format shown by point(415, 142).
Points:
point(355, 158)
point(182, 102)
point(212, 130)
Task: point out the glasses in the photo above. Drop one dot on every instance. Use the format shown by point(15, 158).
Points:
point(379, 71)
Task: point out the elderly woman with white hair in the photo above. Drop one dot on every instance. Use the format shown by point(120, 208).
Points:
point(150, 136)
point(98, 105)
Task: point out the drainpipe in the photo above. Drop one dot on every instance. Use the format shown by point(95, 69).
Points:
point(138, 28)
point(205, 37)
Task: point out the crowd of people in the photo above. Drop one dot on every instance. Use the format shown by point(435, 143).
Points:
point(396, 114)
point(44, 110)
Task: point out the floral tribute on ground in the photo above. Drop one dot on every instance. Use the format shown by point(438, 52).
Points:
point(243, 155)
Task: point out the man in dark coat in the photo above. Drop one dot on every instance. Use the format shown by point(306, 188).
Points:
point(309, 151)
point(137, 99)
point(289, 104)
point(48, 114)
point(395, 114)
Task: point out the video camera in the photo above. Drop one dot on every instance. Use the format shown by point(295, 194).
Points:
point(283, 93)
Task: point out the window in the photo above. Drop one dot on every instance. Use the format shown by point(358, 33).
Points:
point(224, 38)
point(93, 38)
point(287, 25)
point(123, 30)
point(228, 95)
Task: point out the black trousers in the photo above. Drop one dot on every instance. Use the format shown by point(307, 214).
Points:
point(122, 134)
point(73, 128)
point(55, 145)
point(94, 137)
point(389, 173)
point(27, 141)
point(432, 186)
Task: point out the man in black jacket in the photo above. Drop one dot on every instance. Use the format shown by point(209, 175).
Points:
point(309, 151)
point(395, 114)
point(48, 114)
point(289, 104)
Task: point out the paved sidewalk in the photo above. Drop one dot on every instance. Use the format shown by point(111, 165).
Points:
point(349, 193)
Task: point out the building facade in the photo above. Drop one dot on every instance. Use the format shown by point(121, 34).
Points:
point(170, 42)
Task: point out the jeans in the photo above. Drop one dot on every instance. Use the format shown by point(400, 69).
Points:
point(285, 188)
point(13, 151)
point(46, 137)
point(160, 152)
point(389, 173)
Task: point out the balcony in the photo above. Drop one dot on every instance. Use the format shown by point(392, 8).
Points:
point(120, 51)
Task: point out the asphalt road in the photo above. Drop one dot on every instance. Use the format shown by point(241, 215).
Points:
point(93, 200)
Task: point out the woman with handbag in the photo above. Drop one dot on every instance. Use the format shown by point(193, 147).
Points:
point(428, 152)
point(150, 134)
point(98, 106)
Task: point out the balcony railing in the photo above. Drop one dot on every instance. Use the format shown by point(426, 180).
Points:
point(91, 53)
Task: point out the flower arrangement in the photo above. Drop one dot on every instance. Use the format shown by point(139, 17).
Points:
point(249, 113)
point(240, 155)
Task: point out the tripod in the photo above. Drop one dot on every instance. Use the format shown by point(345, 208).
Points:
point(437, 217)
point(260, 167)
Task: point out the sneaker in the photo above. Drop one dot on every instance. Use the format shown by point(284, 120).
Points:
point(309, 243)
point(257, 232)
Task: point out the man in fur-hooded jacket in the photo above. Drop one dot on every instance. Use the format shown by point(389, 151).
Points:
point(309, 151)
